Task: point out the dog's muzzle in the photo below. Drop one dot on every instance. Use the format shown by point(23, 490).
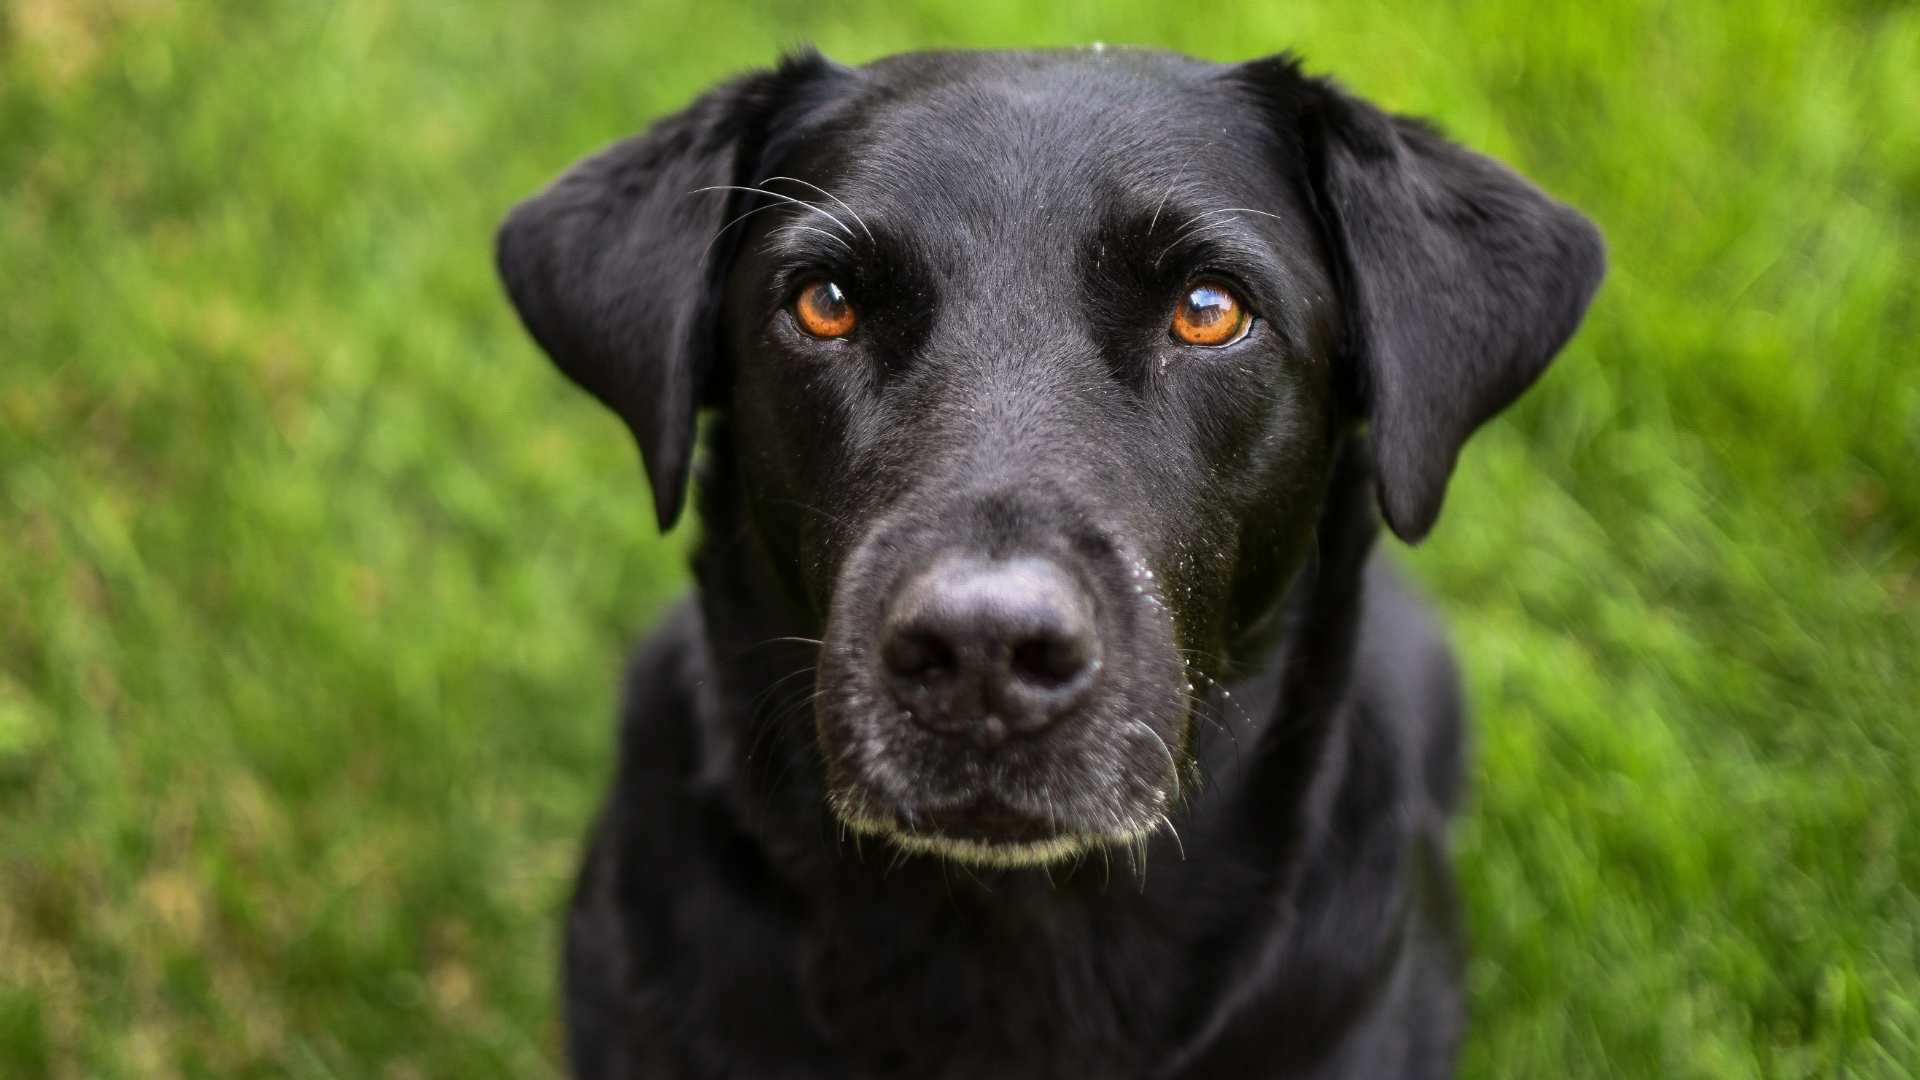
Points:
point(1006, 709)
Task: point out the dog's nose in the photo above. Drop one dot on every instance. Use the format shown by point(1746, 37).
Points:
point(987, 648)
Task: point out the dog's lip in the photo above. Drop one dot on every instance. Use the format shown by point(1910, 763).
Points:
point(987, 820)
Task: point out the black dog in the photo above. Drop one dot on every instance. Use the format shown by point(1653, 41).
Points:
point(1052, 392)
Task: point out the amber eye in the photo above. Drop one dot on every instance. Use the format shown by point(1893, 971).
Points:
point(822, 310)
point(1210, 315)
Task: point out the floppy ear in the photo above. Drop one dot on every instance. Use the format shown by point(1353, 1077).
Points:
point(615, 268)
point(1460, 280)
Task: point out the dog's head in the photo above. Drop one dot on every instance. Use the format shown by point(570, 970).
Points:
point(1035, 365)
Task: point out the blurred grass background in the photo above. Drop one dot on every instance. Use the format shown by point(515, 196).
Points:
point(315, 579)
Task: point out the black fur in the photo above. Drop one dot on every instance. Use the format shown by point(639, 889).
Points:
point(1223, 853)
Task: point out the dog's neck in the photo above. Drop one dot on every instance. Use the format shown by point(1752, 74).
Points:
point(1262, 733)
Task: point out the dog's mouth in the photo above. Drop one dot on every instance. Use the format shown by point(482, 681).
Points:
point(990, 821)
point(986, 832)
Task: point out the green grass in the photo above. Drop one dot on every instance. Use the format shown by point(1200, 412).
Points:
point(315, 579)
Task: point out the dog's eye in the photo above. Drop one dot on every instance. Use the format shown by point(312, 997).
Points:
point(1210, 314)
point(822, 310)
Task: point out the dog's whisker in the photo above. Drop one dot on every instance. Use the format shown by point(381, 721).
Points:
point(723, 229)
point(1165, 195)
point(1173, 766)
point(802, 203)
point(1231, 210)
point(830, 195)
point(1195, 225)
point(811, 749)
point(968, 870)
point(797, 227)
point(760, 720)
point(1183, 236)
point(785, 639)
point(1175, 833)
point(1202, 227)
point(848, 529)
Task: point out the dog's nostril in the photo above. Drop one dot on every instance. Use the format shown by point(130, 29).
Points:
point(990, 647)
point(1052, 659)
point(914, 654)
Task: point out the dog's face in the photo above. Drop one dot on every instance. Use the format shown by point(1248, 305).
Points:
point(1034, 366)
point(1030, 386)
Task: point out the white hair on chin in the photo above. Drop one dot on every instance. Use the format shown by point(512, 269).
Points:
point(857, 813)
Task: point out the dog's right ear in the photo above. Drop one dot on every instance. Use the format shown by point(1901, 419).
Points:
point(1460, 279)
point(616, 267)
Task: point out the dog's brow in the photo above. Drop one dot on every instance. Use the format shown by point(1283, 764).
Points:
point(723, 229)
point(796, 226)
point(1164, 196)
point(1193, 226)
point(830, 195)
point(774, 195)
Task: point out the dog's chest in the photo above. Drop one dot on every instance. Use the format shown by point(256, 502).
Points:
point(1057, 989)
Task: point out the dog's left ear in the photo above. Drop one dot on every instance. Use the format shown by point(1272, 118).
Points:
point(616, 267)
point(1460, 279)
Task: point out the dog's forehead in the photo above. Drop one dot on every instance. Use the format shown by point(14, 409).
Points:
point(1024, 137)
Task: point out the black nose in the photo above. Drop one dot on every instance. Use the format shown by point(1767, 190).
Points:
point(990, 648)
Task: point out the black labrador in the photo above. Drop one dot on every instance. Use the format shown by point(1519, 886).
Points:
point(1041, 711)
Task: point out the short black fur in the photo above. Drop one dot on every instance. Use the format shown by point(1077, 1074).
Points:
point(1200, 829)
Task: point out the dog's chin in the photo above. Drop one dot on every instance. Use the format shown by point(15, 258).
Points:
point(993, 839)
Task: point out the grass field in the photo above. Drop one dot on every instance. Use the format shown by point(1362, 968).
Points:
point(315, 578)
